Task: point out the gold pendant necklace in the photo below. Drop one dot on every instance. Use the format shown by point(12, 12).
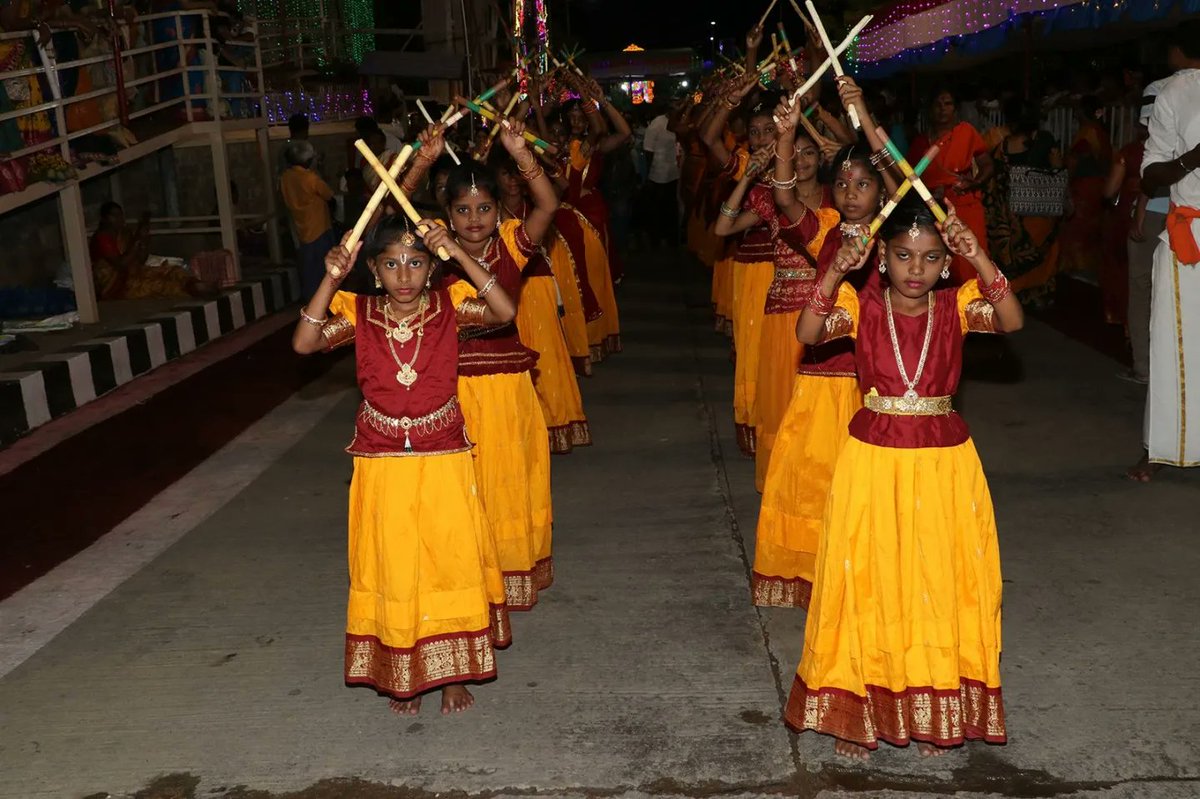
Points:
point(403, 332)
point(909, 400)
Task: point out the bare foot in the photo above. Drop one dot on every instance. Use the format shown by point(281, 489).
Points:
point(929, 750)
point(456, 699)
point(851, 750)
point(1143, 471)
point(410, 707)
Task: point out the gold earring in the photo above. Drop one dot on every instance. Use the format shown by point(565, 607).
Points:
point(946, 272)
point(378, 282)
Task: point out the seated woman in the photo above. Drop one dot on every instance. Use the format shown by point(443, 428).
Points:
point(119, 255)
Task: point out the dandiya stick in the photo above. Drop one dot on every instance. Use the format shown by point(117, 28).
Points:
point(901, 190)
point(821, 70)
point(817, 138)
point(429, 119)
point(767, 13)
point(486, 114)
point(837, 65)
point(732, 63)
point(389, 184)
point(507, 110)
point(912, 175)
point(381, 191)
point(787, 47)
point(800, 12)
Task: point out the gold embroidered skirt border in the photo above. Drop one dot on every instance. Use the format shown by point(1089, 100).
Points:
point(521, 588)
point(909, 406)
point(780, 592)
point(972, 712)
point(747, 439)
point(566, 437)
point(403, 673)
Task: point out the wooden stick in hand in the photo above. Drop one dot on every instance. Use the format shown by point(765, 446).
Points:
point(389, 183)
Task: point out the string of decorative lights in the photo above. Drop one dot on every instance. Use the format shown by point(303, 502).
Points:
point(326, 107)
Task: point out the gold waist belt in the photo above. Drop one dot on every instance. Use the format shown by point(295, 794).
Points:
point(424, 425)
point(909, 406)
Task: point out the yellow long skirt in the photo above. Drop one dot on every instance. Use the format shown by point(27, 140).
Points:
point(553, 376)
point(574, 324)
point(604, 334)
point(902, 641)
point(778, 359)
point(751, 283)
point(426, 601)
point(811, 436)
point(512, 466)
point(722, 294)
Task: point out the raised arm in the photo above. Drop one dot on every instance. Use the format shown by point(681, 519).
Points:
point(713, 135)
point(1010, 317)
point(545, 199)
point(732, 220)
point(785, 162)
point(852, 96)
point(307, 338)
point(497, 308)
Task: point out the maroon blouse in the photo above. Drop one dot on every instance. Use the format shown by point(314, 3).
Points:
point(360, 319)
point(494, 350)
point(758, 243)
point(956, 312)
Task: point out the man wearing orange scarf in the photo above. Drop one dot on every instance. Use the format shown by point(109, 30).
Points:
point(1172, 160)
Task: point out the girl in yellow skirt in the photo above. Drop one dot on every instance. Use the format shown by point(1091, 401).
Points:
point(539, 326)
point(427, 605)
point(779, 352)
point(753, 267)
point(825, 393)
point(902, 641)
point(512, 452)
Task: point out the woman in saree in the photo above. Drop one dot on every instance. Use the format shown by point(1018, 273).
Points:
point(1026, 246)
point(958, 173)
point(119, 263)
point(1088, 162)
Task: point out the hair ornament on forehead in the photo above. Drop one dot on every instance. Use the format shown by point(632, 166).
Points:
point(914, 232)
point(407, 238)
point(847, 163)
point(474, 191)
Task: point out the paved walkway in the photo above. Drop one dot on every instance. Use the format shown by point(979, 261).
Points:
point(198, 646)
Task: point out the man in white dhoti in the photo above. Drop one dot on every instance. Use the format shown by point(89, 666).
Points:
point(1172, 160)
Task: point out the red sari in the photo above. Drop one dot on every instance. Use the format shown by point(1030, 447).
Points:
point(955, 159)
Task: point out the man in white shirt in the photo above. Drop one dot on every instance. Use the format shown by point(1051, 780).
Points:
point(1172, 161)
point(662, 181)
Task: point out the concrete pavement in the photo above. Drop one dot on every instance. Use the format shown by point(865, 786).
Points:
point(209, 656)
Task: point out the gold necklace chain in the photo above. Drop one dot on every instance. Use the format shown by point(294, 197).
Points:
point(911, 392)
point(406, 375)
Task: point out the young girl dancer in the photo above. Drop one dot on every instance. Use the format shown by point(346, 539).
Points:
point(426, 605)
point(754, 260)
point(539, 327)
point(902, 641)
point(779, 351)
point(499, 403)
point(825, 394)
